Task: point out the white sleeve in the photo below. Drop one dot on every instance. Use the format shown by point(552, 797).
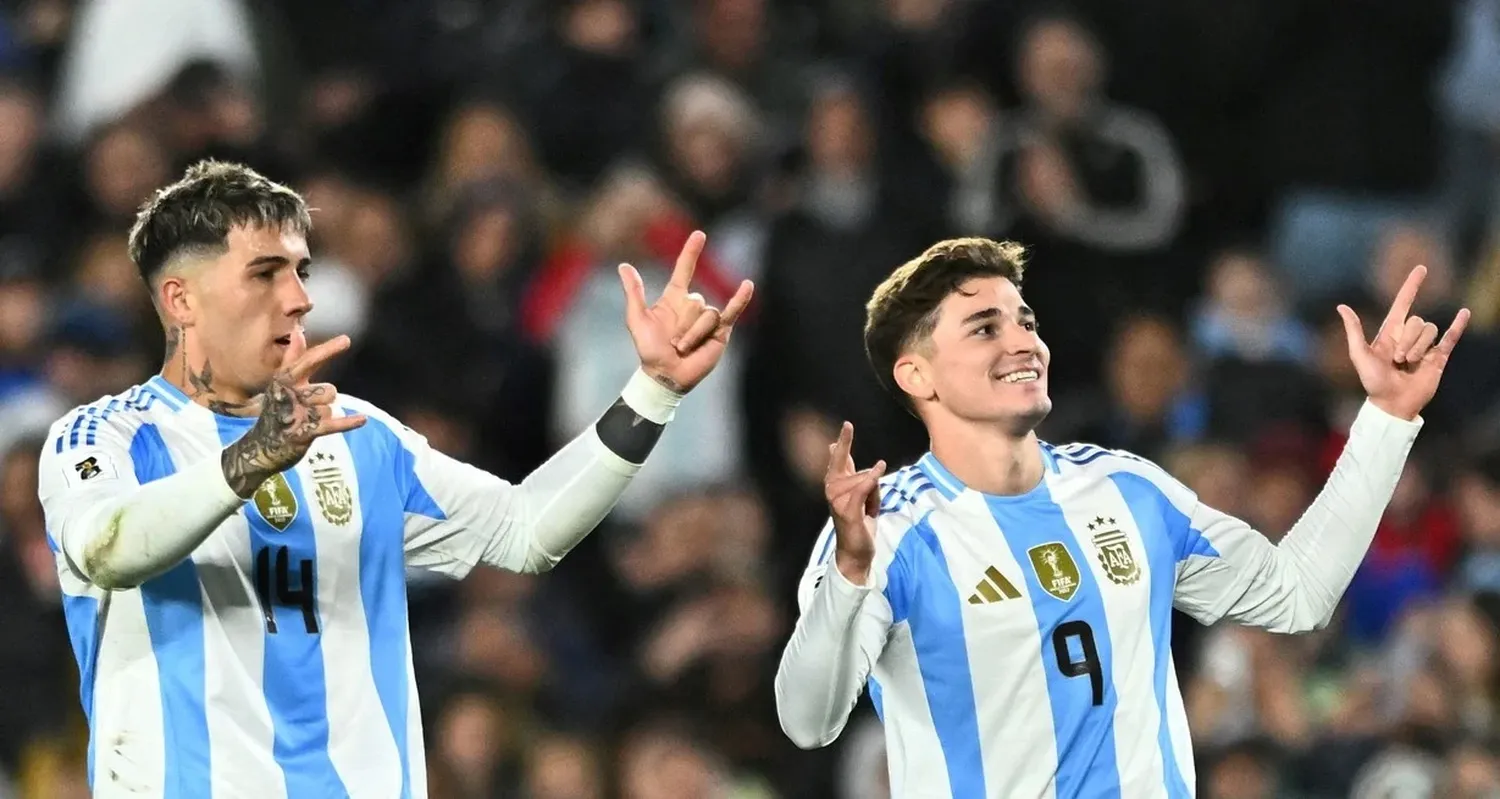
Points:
point(841, 631)
point(458, 515)
point(113, 531)
point(1231, 571)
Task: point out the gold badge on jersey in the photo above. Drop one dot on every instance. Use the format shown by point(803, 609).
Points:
point(335, 499)
point(276, 502)
point(1055, 570)
point(1113, 548)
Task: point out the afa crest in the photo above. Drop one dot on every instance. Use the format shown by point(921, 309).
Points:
point(335, 500)
point(1113, 549)
point(276, 502)
point(1055, 569)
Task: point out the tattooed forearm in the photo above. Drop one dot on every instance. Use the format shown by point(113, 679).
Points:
point(278, 439)
point(626, 433)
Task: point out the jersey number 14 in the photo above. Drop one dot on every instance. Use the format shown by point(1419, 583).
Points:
point(274, 587)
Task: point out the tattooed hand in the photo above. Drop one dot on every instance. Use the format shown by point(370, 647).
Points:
point(293, 413)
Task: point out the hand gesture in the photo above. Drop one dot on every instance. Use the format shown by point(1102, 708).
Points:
point(1400, 369)
point(854, 502)
point(679, 338)
point(293, 413)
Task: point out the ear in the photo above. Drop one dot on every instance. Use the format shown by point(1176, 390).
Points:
point(173, 296)
point(914, 375)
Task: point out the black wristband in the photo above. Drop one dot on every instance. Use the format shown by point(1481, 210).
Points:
point(627, 433)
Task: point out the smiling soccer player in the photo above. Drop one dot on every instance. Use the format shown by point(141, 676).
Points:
point(1009, 601)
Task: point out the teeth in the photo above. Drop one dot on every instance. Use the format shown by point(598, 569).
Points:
point(1023, 376)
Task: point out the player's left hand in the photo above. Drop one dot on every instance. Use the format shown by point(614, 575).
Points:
point(1400, 369)
point(680, 338)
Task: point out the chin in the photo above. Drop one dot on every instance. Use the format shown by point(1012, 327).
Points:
point(1023, 421)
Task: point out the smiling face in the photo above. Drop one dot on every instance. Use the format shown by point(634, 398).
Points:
point(949, 334)
point(983, 361)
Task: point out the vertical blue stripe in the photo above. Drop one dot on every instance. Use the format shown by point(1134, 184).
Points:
point(935, 617)
point(1146, 504)
point(382, 576)
point(876, 698)
point(173, 604)
point(293, 677)
point(1085, 733)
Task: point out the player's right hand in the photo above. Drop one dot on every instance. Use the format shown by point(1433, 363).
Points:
point(854, 502)
point(294, 412)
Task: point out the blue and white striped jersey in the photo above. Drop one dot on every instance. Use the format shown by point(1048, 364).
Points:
point(275, 661)
point(1019, 646)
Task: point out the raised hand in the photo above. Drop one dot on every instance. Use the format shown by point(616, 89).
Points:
point(294, 412)
point(1401, 368)
point(854, 503)
point(680, 338)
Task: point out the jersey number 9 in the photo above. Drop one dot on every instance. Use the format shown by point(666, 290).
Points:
point(304, 596)
point(1088, 664)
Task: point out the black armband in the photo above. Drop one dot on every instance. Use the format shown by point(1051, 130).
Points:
point(627, 433)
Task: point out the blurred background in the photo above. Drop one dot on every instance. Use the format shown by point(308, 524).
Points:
point(1199, 183)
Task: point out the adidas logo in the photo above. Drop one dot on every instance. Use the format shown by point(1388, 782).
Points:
point(993, 588)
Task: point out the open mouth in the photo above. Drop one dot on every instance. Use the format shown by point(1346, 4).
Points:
point(1021, 376)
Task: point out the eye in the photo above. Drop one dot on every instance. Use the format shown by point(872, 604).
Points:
point(302, 271)
point(267, 276)
point(1031, 325)
point(986, 330)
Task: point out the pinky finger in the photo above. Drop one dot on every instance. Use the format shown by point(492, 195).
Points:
point(1455, 332)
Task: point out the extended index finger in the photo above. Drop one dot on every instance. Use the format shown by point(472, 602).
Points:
point(317, 356)
point(838, 458)
point(687, 261)
point(1401, 305)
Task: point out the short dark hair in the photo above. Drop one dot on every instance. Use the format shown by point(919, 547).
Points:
point(197, 212)
point(903, 309)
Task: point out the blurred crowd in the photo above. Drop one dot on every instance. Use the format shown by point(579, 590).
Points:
point(1198, 183)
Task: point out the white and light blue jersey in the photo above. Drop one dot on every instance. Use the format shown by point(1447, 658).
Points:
point(1019, 646)
point(275, 661)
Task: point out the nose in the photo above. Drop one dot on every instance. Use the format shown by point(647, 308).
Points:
point(298, 302)
point(1020, 341)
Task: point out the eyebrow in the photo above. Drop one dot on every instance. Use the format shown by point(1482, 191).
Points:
point(1024, 313)
point(277, 260)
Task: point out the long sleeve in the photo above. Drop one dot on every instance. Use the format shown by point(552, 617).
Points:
point(458, 515)
point(1231, 571)
point(114, 531)
point(841, 631)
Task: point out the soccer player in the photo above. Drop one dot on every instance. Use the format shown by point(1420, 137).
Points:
point(232, 537)
point(1009, 601)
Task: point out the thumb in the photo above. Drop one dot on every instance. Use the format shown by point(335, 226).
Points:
point(635, 292)
point(1354, 331)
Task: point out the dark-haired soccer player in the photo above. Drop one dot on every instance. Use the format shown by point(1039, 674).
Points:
point(1009, 601)
point(232, 537)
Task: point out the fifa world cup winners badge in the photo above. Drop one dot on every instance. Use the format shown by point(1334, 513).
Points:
point(276, 502)
point(1055, 570)
point(335, 499)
